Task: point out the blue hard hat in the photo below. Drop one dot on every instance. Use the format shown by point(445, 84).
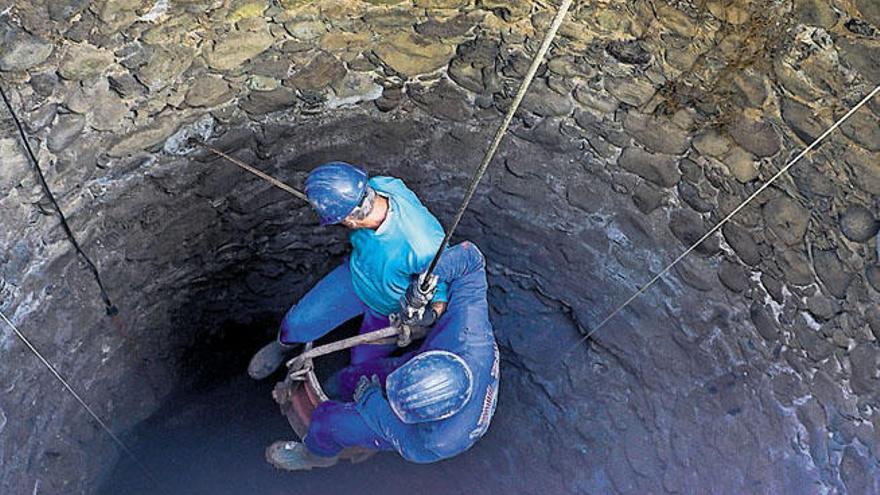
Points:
point(432, 386)
point(335, 189)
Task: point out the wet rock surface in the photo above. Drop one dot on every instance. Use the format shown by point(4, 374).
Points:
point(752, 367)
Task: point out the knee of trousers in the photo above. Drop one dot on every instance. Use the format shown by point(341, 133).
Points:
point(319, 438)
point(293, 330)
point(323, 417)
point(286, 334)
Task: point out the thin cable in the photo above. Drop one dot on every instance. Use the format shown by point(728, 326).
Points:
point(502, 130)
point(272, 180)
point(111, 308)
point(727, 218)
point(76, 396)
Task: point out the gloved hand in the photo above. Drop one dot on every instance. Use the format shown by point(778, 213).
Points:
point(424, 317)
point(419, 293)
point(365, 385)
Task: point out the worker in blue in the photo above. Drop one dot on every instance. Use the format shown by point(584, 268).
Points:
point(393, 238)
point(427, 405)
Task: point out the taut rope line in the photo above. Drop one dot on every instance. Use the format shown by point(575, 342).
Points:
point(76, 396)
point(502, 130)
point(109, 306)
point(272, 180)
point(487, 158)
point(730, 215)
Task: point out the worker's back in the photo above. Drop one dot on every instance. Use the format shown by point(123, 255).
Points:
point(465, 330)
point(383, 260)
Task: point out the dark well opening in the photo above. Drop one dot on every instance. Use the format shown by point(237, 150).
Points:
point(265, 251)
point(214, 257)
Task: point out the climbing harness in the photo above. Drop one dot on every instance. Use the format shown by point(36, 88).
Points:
point(18, 333)
point(723, 221)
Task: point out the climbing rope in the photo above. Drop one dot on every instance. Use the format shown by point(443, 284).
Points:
point(387, 335)
point(487, 158)
point(499, 134)
point(18, 333)
point(272, 180)
point(727, 218)
point(110, 307)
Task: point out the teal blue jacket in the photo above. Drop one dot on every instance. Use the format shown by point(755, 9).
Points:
point(385, 260)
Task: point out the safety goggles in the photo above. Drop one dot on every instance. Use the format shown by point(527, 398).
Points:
point(364, 208)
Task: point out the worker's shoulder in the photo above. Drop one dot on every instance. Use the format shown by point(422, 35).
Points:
point(388, 184)
point(392, 186)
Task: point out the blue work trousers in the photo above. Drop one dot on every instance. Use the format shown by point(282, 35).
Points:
point(330, 303)
point(337, 425)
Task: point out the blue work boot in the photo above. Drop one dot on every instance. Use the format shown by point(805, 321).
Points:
point(295, 456)
point(268, 359)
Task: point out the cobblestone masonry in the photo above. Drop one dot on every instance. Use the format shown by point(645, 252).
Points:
point(755, 367)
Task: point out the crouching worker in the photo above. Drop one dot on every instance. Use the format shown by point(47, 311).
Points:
point(429, 405)
point(393, 237)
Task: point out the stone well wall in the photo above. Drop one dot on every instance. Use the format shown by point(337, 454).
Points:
point(650, 121)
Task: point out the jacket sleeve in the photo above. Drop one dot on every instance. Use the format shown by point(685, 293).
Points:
point(442, 293)
point(455, 265)
point(418, 263)
point(425, 233)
